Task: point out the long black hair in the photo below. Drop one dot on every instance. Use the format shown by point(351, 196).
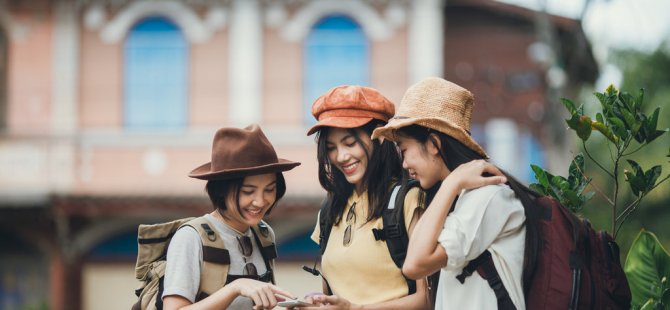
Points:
point(384, 168)
point(218, 191)
point(455, 153)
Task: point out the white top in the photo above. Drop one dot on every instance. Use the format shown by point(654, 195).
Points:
point(184, 261)
point(492, 218)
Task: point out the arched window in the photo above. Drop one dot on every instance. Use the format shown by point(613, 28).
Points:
point(336, 53)
point(155, 76)
point(3, 80)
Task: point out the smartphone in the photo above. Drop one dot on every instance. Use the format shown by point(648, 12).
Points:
point(294, 303)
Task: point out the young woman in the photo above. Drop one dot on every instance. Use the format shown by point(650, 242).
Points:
point(472, 212)
point(359, 175)
point(244, 182)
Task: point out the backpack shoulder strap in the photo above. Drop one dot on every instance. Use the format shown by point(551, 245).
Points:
point(215, 258)
point(484, 266)
point(325, 226)
point(266, 242)
point(394, 232)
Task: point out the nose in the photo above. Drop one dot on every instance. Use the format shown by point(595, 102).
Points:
point(404, 164)
point(342, 155)
point(259, 200)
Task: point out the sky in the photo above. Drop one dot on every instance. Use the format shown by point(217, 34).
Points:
point(614, 24)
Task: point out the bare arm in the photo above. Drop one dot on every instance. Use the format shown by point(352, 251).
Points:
point(263, 295)
point(424, 254)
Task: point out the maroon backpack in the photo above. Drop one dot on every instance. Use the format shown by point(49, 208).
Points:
point(576, 268)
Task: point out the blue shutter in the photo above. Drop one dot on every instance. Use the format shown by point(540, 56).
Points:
point(155, 77)
point(336, 53)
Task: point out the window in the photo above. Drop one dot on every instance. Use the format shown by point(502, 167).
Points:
point(155, 76)
point(336, 53)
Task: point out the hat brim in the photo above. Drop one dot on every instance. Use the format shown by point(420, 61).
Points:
point(204, 172)
point(340, 122)
point(389, 131)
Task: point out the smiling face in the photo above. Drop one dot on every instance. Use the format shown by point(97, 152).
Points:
point(348, 155)
point(256, 195)
point(422, 161)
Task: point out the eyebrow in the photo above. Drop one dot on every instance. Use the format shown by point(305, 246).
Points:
point(343, 138)
point(254, 186)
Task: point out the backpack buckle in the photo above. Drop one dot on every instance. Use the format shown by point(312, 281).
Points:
point(263, 228)
point(211, 236)
point(379, 234)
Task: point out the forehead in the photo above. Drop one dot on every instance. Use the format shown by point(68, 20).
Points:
point(260, 179)
point(337, 134)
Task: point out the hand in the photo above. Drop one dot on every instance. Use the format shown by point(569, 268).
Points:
point(329, 302)
point(470, 175)
point(263, 294)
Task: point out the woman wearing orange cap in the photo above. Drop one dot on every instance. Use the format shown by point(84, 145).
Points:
point(244, 182)
point(359, 175)
point(472, 213)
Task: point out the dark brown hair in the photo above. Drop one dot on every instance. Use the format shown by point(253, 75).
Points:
point(384, 168)
point(217, 190)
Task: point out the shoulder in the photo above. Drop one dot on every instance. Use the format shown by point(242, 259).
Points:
point(499, 194)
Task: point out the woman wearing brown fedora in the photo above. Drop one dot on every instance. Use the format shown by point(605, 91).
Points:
point(473, 211)
point(244, 182)
point(359, 175)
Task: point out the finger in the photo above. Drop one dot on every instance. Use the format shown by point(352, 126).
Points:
point(280, 291)
point(264, 299)
point(332, 299)
point(257, 301)
point(267, 291)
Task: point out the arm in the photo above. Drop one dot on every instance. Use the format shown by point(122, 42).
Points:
point(424, 254)
point(263, 295)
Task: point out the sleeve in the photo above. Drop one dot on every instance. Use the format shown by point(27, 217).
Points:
point(317, 230)
point(411, 203)
point(184, 259)
point(480, 216)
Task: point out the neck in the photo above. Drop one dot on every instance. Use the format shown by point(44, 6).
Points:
point(239, 226)
point(359, 188)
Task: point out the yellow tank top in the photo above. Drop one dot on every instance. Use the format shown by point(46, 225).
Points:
point(363, 271)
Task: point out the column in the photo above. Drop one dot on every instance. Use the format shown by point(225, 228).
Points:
point(245, 62)
point(426, 39)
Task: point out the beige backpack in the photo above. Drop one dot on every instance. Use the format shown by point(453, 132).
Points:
point(153, 241)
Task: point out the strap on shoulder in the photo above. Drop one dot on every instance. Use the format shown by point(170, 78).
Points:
point(484, 266)
point(325, 226)
point(215, 257)
point(267, 245)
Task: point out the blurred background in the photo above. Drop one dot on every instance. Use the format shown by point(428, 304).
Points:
point(106, 105)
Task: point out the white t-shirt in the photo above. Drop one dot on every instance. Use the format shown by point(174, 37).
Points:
point(184, 261)
point(492, 218)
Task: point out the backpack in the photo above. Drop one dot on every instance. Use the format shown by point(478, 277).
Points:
point(393, 233)
point(577, 267)
point(153, 241)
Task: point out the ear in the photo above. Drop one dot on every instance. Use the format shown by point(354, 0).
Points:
point(433, 144)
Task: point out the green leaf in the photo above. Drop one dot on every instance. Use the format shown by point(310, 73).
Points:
point(538, 188)
point(651, 176)
point(584, 127)
point(540, 175)
point(611, 91)
point(600, 127)
point(618, 127)
point(636, 167)
point(569, 105)
point(646, 264)
point(639, 99)
point(576, 169)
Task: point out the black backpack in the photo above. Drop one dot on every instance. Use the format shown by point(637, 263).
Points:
point(393, 233)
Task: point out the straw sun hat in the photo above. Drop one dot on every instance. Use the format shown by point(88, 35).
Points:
point(437, 104)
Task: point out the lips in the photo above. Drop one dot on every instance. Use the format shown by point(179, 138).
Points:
point(254, 213)
point(350, 169)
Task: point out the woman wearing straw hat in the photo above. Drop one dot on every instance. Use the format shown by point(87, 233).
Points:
point(472, 213)
point(359, 175)
point(244, 182)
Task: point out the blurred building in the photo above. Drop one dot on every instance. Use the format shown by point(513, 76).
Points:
point(106, 105)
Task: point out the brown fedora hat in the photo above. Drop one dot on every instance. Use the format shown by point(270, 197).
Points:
point(350, 106)
point(241, 152)
point(437, 104)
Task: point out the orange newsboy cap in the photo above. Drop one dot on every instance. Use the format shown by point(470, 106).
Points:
point(350, 106)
